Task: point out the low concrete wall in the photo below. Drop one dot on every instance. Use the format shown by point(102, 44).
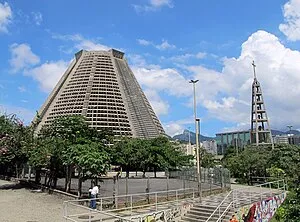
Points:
point(261, 211)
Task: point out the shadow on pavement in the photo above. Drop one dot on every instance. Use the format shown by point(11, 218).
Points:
point(12, 186)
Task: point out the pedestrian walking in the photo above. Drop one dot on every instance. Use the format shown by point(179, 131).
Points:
point(94, 192)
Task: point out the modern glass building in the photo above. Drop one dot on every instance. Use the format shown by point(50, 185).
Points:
point(237, 139)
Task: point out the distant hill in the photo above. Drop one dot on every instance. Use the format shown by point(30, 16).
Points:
point(184, 137)
point(278, 132)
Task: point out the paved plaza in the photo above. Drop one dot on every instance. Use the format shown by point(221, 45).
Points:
point(18, 204)
point(22, 205)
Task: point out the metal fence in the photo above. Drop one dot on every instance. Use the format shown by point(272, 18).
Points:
point(217, 176)
point(123, 207)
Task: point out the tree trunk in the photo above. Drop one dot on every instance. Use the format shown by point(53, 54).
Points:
point(17, 171)
point(29, 173)
point(46, 177)
point(23, 172)
point(144, 173)
point(127, 172)
point(79, 191)
point(37, 175)
point(155, 169)
point(68, 178)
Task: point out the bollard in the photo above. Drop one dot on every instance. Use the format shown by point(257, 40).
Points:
point(126, 191)
point(131, 205)
point(148, 190)
point(156, 201)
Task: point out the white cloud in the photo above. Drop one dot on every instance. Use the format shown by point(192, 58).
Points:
point(24, 114)
point(22, 89)
point(153, 5)
point(291, 25)
point(143, 42)
point(48, 74)
point(80, 42)
point(227, 94)
point(173, 128)
point(201, 55)
point(5, 16)
point(183, 58)
point(37, 17)
point(160, 107)
point(165, 45)
point(22, 57)
point(163, 80)
point(161, 3)
point(176, 127)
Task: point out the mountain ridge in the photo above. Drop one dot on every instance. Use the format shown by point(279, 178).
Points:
point(184, 136)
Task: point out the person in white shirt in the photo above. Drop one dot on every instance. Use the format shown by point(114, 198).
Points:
point(93, 191)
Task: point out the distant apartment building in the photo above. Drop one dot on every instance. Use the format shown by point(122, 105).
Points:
point(281, 139)
point(237, 139)
point(287, 139)
point(210, 146)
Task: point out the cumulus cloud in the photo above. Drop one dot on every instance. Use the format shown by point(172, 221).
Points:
point(165, 45)
point(81, 42)
point(291, 25)
point(27, 62)
point(143, 42)
point(25, 115)
point(160, 107)
point(22, 57)
point(183, 58)
point(228, 96)
point(48, 74)
point(5, 16)
point(162, 46)
point(153, 5)
point(163, 80)
point(176, 127)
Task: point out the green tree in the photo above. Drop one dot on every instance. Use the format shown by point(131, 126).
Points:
point(125, 153)
point(13, 141)
point(90, 159)
point(59, 137)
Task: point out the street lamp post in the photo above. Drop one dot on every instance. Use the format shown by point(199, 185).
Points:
point(197, 139)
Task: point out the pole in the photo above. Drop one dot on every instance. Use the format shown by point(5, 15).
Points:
point(199, 161)
point(197, 139)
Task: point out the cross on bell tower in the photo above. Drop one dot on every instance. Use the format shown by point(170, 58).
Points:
point(260, 126)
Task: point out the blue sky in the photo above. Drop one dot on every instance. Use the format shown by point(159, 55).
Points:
point(167, 43)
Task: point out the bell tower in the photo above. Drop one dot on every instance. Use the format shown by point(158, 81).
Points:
point(260, 126)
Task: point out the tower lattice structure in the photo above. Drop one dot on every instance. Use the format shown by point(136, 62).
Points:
point(260, 125)
point(100, 86)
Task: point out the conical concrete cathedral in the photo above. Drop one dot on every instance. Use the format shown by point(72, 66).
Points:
point(260, 126)
point(101, 86)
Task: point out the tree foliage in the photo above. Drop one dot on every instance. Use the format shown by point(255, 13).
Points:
point(148, 154)
point(283, 162)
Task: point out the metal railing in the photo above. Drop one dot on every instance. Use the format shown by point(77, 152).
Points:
point(218, 208)
point(90, 214)
point(109, 206)
point(255, 193)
